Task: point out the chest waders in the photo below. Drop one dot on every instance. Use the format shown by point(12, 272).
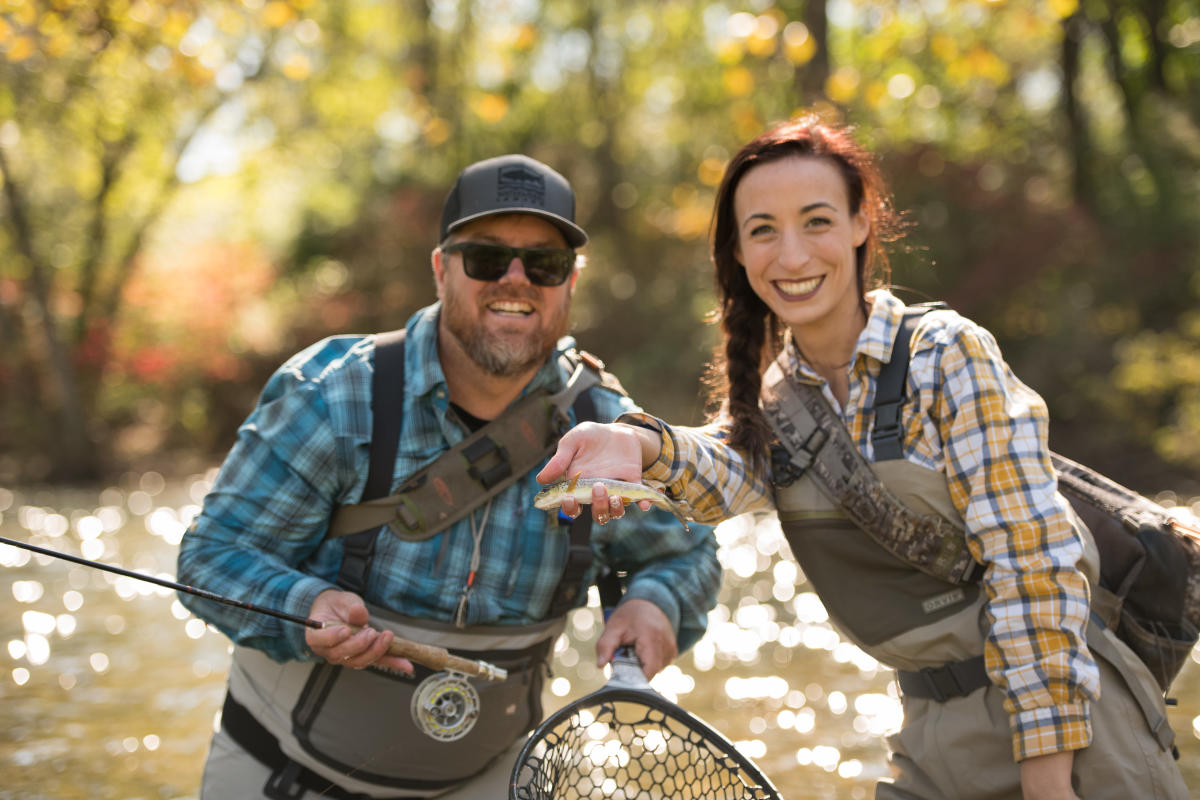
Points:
point(883, 545)
point(347, 734)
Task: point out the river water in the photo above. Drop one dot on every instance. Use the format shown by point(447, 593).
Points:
point(109, 689)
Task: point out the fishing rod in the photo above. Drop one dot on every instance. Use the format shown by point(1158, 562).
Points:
point(424, 654)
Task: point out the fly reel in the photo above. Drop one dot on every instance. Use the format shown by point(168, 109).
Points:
point(445, 706)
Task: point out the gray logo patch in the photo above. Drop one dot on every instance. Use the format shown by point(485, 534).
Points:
point(518, 185)
point(938, 602)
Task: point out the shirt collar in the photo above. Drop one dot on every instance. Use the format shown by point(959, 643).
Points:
point(428, 375)
point(875, 341)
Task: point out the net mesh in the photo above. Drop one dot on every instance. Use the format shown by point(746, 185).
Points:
point(631, 751)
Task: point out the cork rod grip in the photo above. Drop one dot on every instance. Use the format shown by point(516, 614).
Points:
point(438, 658)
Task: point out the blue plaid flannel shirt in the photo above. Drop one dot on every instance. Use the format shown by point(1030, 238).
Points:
point(260, 536)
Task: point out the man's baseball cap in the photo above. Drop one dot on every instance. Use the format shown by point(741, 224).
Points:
point(512, 184)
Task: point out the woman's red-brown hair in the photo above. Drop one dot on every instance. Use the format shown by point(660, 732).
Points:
point(752, 333)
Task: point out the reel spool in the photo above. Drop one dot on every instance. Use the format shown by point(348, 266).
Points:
point(445, 706)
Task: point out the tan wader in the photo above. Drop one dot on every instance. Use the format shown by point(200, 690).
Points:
point(960, 748)
point(355, 728)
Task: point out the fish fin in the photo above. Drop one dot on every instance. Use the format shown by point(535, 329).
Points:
point(574, 480)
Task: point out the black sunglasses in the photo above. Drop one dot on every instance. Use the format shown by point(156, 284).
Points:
point(489, 262)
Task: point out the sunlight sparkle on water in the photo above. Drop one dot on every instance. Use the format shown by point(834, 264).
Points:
point(560, 687)
point(194, 628)
point(27, 591)
point(89, 527)
point(809, 608)
point(72, 600)
point(13, 556)
point(99, 662)
point(751, 748)
point(65, 623)
point(92, 549)
point(756, 688)
point(20, 676)
point(164, 523)
point(38, 622)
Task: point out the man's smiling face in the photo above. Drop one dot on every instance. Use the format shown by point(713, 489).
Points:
point(508, 326)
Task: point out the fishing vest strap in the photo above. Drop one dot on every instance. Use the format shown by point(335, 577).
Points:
point(476, 469)
point(816, 441)
point(891, 388)
point(951, 680)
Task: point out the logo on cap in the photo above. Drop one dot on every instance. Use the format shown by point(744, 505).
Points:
point(519, 185)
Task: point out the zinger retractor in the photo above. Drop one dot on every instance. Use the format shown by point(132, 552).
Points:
point(445, 706)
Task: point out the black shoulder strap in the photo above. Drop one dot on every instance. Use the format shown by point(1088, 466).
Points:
point(387, 413)
point(579, 530)
point(891, 389)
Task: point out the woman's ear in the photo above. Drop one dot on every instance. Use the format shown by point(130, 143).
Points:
point(862, 227)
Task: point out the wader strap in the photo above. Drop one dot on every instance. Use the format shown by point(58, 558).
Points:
point(473, 471)
point(892, 385)
point(951, 680)
point(1151, 704)
point(818, 442)
point(289, 780)
point(387, 413)
point(579, 554)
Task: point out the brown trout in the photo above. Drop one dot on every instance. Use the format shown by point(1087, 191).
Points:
point(552, 496)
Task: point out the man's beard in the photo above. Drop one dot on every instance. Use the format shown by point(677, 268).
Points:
point(502, 356)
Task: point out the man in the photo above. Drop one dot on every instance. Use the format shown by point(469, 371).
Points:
point(329, 712)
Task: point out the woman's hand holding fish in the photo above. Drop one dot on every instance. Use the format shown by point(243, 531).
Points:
point(595, 450)
point(348, 642)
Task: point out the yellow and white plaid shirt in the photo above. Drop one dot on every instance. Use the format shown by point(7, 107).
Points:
point(970, 418)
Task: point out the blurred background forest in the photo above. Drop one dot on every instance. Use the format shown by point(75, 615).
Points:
point(194, 189)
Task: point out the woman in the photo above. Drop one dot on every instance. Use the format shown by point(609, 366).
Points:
point(801, 217)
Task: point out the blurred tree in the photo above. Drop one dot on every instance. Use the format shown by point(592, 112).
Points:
point(299, 152)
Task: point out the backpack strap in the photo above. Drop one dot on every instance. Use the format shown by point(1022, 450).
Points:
point(387, 412)
point(476, 469)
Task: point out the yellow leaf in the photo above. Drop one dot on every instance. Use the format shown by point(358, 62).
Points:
point(710, 171)
point(436, 131)
point(297, 67)
point(276, 14)
point(1064, 8)
point(842, 85)
point(739, 81)
point(491, 107)
point(21, 49)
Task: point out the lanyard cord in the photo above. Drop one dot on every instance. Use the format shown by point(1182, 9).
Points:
point(477, 529)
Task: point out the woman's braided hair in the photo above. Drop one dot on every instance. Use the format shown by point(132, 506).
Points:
point(753, 335)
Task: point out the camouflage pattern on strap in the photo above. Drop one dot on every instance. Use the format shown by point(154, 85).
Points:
point(819, 443)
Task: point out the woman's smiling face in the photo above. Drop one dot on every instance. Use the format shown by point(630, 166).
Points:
point(796, 238)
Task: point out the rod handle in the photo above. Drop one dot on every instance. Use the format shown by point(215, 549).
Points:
point(434, 657)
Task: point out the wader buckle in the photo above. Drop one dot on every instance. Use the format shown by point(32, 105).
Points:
point(284, 783)
point(955, 679)
point(941, 683)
